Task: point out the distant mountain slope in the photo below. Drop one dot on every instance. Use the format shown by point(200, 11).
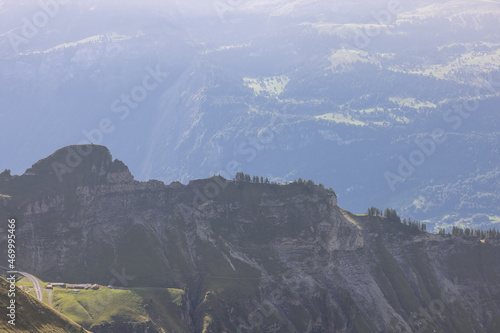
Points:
point(248, 256)
point(33, 315)
point(338, 91)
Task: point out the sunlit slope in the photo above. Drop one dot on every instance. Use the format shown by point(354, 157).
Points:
point(33, 315)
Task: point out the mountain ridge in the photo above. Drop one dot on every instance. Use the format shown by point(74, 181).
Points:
point(395, 69)
point(249, 256)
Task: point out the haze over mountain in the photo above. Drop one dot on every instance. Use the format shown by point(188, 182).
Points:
point(392, 104)
point(237, 256)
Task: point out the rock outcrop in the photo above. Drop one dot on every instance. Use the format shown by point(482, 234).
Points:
point(252, 257)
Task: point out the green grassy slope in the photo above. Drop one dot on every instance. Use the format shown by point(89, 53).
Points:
point(105, 306)
point(33, 315)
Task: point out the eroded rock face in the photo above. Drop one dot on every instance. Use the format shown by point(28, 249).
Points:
point(261, 257)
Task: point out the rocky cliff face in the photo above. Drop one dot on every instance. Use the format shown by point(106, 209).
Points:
point(251, 257)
